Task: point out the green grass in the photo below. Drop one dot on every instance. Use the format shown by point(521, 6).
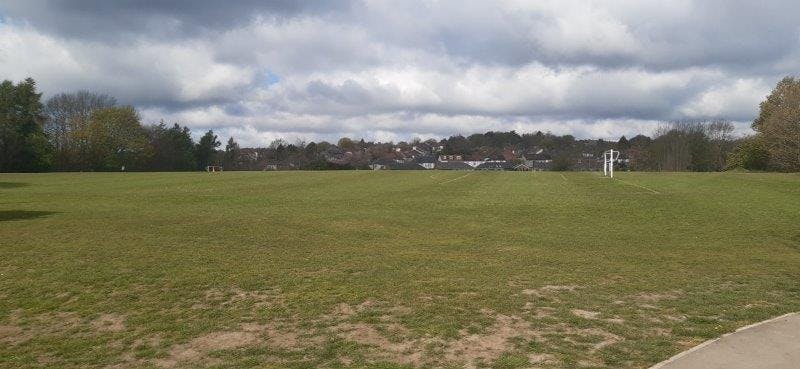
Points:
point(388, 269)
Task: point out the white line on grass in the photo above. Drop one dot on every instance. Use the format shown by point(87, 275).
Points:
point(638, 185)
point(455, 179)
point(562, 176)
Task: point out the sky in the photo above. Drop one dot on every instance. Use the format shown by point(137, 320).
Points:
point(395, 70)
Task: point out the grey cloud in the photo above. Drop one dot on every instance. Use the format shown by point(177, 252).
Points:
point(395, 68)
point(109, 20)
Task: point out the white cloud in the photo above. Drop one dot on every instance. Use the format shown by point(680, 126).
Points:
point(390, 70)
point(737, 99)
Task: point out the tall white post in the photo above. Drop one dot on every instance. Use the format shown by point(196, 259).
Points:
point(605, 164)
point(611, 163)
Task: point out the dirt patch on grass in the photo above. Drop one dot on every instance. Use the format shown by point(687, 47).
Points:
point(405, 351)
point(538, 312)
point(56, 322)
point(488, 346)
point(345, 311)
point(11, 334)
point(109, 323)
point(282, 336)
point(543, 359)
point(395, 343)
point(259, 298)
point(595, 315)
point(196, 351)
point(582, 337)
point(549, 290)
point(586, 314)
point(392, 342)
point(224, 340)
point(651, 297)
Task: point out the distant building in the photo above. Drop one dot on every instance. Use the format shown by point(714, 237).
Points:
point(427, 161)
point(494, 165)
point(405, 166)
point(539, 160)
point(453, 165)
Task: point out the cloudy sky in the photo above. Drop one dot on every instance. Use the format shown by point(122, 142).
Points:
point(393, 70)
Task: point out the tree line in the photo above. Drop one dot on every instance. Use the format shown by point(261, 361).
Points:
point(85, 131)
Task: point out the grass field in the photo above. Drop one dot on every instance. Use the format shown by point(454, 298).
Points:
point(388, 269)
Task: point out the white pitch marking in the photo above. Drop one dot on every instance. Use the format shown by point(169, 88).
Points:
point(455, 179)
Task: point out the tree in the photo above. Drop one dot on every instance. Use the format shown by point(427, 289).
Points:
point(206, 150)
point(231, 154)
point(23, 143)
point(623, 144)
point(682, 145)
point(720, 134)
point(778, 123)
point(346, 144)
point(563, 162)
point(113, 139)
point(457, 145)
point(67, 113)
point(172, 148)
point(750, 153)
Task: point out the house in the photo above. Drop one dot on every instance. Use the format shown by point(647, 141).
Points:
point(336, 156)
point(451, 158)
point(494, 165)
point(509, 155)
point(381, 164)
point(453, 165)
point(405, 166)
point(539, 160)
point(427, 161)
point(421, 149)
point(248, 155)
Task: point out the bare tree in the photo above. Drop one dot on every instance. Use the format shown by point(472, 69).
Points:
point(67, 113)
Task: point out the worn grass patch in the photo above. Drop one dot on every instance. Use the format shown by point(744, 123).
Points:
point(387, 269)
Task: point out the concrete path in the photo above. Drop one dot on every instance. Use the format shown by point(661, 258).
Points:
point(771, 344)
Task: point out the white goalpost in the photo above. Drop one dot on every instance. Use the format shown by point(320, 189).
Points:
point(608, 162)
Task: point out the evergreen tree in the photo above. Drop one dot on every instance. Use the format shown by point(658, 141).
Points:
point(231, 154)
point(23, 145)
point(623, 144)
point(173, 148)
point(206, 150)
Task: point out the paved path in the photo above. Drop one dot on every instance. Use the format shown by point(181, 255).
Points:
point(771, 344)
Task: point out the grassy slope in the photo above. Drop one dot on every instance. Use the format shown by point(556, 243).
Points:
point(173, 256)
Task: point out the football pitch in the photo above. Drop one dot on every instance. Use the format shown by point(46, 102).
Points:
point(390, 269)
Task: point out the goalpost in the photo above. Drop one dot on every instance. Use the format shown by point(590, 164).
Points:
point(608, 162)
